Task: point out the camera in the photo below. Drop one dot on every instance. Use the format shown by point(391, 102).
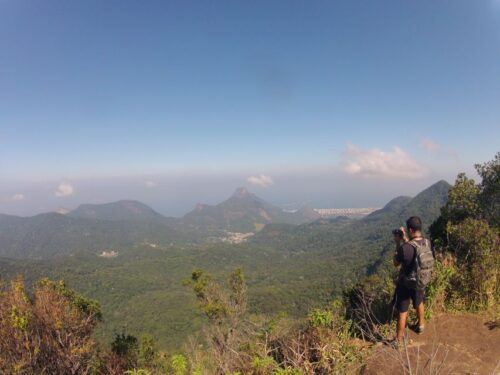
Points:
point(398, 232)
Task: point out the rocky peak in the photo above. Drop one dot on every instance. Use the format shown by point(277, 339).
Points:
point(241, 192)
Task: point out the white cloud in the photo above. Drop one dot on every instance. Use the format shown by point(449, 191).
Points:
point(150, 184)
point(261, 180)
point(64, 190)
point(429, 145)
point(375, 162)
point(17, 197)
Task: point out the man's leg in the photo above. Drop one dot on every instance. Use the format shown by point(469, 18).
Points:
point(400, 334)
point(418, 303)
point(421, 315)
point(402, 304)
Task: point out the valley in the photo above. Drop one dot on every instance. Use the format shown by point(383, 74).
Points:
point(294, 263)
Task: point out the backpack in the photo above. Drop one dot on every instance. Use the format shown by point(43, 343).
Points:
point(421, 275)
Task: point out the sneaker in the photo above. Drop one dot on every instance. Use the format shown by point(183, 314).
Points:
point(418, 329)
point(395, 344)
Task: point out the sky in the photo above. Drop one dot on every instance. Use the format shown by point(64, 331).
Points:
point(321, 103)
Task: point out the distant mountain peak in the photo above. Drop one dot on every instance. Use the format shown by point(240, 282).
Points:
point(440, 185)
point(244, 212)
point(119, 210)
point(397, 203)
point(241, 192)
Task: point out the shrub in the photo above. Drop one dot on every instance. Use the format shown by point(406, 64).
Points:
point(179, 364)
point(369, 305)
point(140, 371)
point(321, 318)
point(48, 333)
point(148, 355)
point(237, 344)
point(263, 366)
point(439, 289)
point(325, 346)
point(476, 246)
point(229, 335)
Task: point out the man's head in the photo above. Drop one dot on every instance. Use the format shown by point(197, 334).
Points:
point(414, 226)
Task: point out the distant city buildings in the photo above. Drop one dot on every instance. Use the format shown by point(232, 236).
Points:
point(236, 238)
point(109, 254)
point(349, 212)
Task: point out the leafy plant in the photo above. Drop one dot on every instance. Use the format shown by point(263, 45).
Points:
point(140, 371)
point(321, 318)
point(264, 365)
point(179, 364)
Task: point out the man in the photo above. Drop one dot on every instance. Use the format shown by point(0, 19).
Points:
point(406, 288)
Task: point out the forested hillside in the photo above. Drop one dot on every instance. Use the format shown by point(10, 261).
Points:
point(48, 235)
point(125, 210)
point(288, 268)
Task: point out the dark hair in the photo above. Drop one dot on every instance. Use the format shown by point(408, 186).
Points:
point(414, 223)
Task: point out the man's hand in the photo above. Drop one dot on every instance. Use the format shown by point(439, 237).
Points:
point(398, 240)
point(395, 259)
point(405, 236)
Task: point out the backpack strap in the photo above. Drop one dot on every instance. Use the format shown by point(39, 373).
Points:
point(415, 246)
point(413, 243)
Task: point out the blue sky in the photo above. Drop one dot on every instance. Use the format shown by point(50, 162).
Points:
point(127, 99)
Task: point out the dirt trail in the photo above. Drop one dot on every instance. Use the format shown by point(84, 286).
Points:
point(451, 344)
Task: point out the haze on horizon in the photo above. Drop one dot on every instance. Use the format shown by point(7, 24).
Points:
point(329, 104)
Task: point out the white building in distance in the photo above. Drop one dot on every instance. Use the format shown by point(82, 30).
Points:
point(348, 212)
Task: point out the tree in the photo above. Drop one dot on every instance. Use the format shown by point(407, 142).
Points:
point(468, 229)
point(489, 196)
point(225, 308)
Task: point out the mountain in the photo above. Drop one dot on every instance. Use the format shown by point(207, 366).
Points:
point(306, 214)
point(52, 234)
point(393, 206)
point(244, 212)
point(126, 210)
point(289, 268)
point(370, 231)
point(427, 204)
point(97, 227)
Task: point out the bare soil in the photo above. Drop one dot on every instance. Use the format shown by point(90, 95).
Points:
point(451, 344)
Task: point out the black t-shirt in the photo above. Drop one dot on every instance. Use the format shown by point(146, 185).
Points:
point(406, 256)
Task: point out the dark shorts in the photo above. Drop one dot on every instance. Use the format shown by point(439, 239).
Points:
point(403, 296)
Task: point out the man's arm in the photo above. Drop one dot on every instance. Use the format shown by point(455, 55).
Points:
point(396, 259)
point(398, 254)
